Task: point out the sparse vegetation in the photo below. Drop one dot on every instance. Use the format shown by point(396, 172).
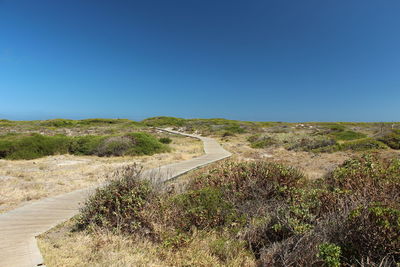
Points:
point(351, 216)
point(234, 213)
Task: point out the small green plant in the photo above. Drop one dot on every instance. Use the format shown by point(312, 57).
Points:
point(330, 254)
point(165, 140)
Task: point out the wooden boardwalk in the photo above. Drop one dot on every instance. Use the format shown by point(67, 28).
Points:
point(19, 227)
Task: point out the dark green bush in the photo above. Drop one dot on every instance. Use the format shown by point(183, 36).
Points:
point(103, 121)
point(165, 140)
point(85, 145)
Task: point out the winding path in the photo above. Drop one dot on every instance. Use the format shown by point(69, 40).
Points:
point(19, 227)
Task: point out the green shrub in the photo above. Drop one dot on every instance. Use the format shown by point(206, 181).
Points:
point(163, 121)
point(165, 140)
point(373, 231)
point(115, 146)
point(263, 142)
point(36, 145)
point(336, 128)
point(366, 174)
point(146, 144)
point(247, 181)
point(347, 135)
point(392, 139)
point(234, 129)
point(362, 145)
point(85, 145)
point(33, 146)
point(118, 206)
point(204, 209)
point(330, 254)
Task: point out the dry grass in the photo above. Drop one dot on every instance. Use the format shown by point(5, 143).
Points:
point(27, 180)
point(62, 247)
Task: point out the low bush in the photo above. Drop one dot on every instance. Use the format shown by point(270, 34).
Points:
point(242, 182)
point(391, 139)
point(115, 146)
point(32, 146)
point(163, 121)
point(261, 142)
point(85, 145)
point(103, 121)
point(350, 216)
point(118, 206)
point(36, 145)
point(165, 140)
point(234, 129)
point(347, 135)
point(59, 123)
point(330, 254)
point(372, 231)
point(362, 145)
point(312, 143)
point(204, 208)
point(145, 144)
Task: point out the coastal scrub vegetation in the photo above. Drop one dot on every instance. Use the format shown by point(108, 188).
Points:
point(267, 211)
point(31, 146)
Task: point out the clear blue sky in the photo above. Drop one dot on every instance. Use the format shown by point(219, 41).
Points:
point(268, 60)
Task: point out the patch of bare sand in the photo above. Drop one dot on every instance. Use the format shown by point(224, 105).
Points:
point(22, 181)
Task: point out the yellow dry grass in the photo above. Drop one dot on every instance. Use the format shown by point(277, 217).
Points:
point(311, 164)
point(63, 247)
point(22, 181)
